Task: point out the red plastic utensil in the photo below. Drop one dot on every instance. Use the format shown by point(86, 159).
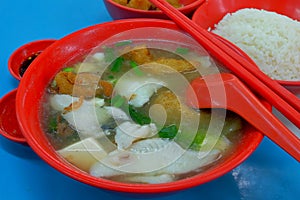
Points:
point(282, 99)
point(247, 106)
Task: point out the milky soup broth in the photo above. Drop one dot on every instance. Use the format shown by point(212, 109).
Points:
point(124, 117)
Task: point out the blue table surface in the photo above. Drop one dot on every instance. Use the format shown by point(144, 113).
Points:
point(269, 173)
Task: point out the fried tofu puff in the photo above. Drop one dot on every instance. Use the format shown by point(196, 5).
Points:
point(64, 82)
point(83, 84)
point(168, 66)
point(143, 56)
point(139, 55)
point(172, 107)
point(178, 65)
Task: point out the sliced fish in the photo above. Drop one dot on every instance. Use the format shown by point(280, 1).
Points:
point(128, 132)
point(152, 158)
point(137, 89)
point(84, 118)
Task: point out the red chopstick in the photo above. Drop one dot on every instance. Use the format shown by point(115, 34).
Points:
point(282, 99)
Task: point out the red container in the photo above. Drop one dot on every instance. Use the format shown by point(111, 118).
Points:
point(118, 11)
point(9, 126)
point(23, 53)
point(212, 11)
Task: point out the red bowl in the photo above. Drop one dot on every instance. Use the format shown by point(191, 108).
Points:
point(118, 11)
point(212, 11)
point(70, 48)
point(9, 126)
point(20, 55)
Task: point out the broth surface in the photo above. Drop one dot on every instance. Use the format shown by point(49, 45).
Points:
point(124, 118)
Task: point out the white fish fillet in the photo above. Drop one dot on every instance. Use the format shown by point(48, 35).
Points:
point(137, 90)
point(150, 179)
point(128, 132)
point(191, 160)
point(60, 101)
point(84, 119)
point(142, 95)
point(149, 145)
point(153, 157)
point(120, 161)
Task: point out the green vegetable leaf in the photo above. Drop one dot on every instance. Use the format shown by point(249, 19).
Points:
point(198, 140)
point(111, 77)
point(191, 141)
point(181, 50)
point(138, 117)
point(117, 64)
point(52, 125)
point(117, 101)
point(183, 139)
point(123, 43)
point(68, 69)
point(168, 132)
point(136, 69)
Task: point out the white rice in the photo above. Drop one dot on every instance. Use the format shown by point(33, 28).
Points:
point(270, 39)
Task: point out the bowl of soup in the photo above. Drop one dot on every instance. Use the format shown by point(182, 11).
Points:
point(260, 29)
point(120, 9)
point(106, 106)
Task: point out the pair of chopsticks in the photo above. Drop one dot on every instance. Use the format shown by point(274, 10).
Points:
point(282, 99)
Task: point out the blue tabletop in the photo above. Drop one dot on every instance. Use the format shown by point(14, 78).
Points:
point(269, 173)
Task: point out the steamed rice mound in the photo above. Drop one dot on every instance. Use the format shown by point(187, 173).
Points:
point(270, 39)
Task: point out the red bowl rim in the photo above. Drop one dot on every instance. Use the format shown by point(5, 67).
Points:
point(78, 175)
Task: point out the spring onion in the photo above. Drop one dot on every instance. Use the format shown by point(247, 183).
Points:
point(168, 132)
point(138, 117)
point(118, 101)
point(68, 69)
point(117, 64)
point(182, 50)
point(123, 43)
point(136, 69)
